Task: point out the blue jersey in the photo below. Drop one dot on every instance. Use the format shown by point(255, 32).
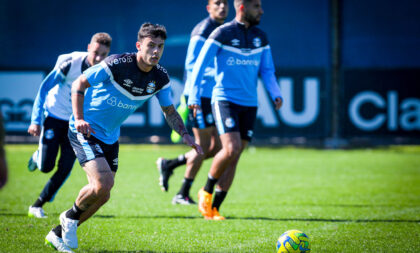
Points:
point(241, 55)
point(198, 36)
point(118, 88)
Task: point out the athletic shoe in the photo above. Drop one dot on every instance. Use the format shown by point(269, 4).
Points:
point(204, 204)
point(56, 243)
point(183, 200)
point(32, 165)
point(216, 215)
point(164, 172)
point(36, 212)
point(69, 230)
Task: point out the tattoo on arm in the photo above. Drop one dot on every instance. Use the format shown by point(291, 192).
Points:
point(174, 120)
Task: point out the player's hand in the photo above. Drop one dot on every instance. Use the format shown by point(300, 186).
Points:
point(278, 103)
point(190, 142)
point(34, 130)
point(83, 127)
point(195, 108)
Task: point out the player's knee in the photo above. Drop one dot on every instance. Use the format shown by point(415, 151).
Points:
point(46, 167)
point(233, 150)
point(104, 186)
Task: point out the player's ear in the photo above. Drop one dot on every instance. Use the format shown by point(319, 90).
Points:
point(138, 45)
point(241, 7)
point(88, 47)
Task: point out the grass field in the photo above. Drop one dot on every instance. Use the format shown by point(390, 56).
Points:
point(365, 200)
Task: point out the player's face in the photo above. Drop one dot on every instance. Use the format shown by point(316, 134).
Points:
point(97, 52)
point(150, 50)
point(218, 10)
point(253, 12)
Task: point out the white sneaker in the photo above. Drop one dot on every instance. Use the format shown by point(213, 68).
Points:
point(56, 242)
point(69, 230)
point(36, 212)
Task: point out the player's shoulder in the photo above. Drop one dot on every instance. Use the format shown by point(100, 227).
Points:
point(162, 73)
point(204, 28)
point(120, 60)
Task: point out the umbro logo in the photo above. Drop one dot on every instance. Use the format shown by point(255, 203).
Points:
point(127, 83)
point(115, 161)
point(235, 42)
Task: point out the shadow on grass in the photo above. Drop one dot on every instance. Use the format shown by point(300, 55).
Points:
point(231, 218)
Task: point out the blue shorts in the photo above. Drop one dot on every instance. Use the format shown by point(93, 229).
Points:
point(232, 117)
point(205, 118)
point(90, 148)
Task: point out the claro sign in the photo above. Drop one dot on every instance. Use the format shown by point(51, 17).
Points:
point(381, 102)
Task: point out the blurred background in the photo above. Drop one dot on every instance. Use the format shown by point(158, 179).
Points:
point(349, 70)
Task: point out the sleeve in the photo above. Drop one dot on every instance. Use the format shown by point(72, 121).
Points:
point(52, 79)
point(164, 96)
point(209, 51)
point(98, 73)
point(267, 71)
point(194, 48)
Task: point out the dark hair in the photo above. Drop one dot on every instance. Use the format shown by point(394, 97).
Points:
point(102, 38)
point(151, 30)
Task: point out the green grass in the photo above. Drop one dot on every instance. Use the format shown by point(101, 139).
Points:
point(365, 200)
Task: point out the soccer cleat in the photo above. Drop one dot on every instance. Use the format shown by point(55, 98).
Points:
point(204, 204)
point(36, 212)
point(56, 243)
point(216, 215)
point(69, 230)
point(164, 172)
point(183, 200)
point(32, 165)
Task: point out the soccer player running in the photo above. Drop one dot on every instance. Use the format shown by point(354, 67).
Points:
point(203, 126)
point(102, 98)
point(242, 52)
point(54, 94)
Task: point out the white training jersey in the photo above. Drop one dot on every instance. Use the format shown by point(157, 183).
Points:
point(58, 101)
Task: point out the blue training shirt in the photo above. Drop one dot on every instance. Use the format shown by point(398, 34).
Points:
point(198, 36)
point(241, 55)
point(118, 88)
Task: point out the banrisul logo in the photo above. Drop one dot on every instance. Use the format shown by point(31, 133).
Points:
point(113, 101)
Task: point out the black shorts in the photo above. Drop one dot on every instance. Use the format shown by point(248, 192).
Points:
point(205, 119)
point(232, 117)
point(90, 148)
point(54, 136)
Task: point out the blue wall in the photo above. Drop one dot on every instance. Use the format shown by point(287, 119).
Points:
point(33, 33)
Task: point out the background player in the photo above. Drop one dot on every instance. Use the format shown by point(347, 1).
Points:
point(118, 86)
point(54, 94)
point(203, 126)
point(3, 164)
point(242, 52)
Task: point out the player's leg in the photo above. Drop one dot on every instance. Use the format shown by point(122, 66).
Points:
point(194, 161)
point(223, 185)
point(101, 180)
point(111, 156)
point(44, 158)
point(246, 119)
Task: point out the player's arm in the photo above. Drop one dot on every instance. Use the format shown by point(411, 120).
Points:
point(174, 119)
point(207, 54)
point(78, 89)
point(194, 47)
point(54, 77)
point(267, 72)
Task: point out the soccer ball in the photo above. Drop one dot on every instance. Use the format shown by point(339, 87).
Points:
point(293, 241)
